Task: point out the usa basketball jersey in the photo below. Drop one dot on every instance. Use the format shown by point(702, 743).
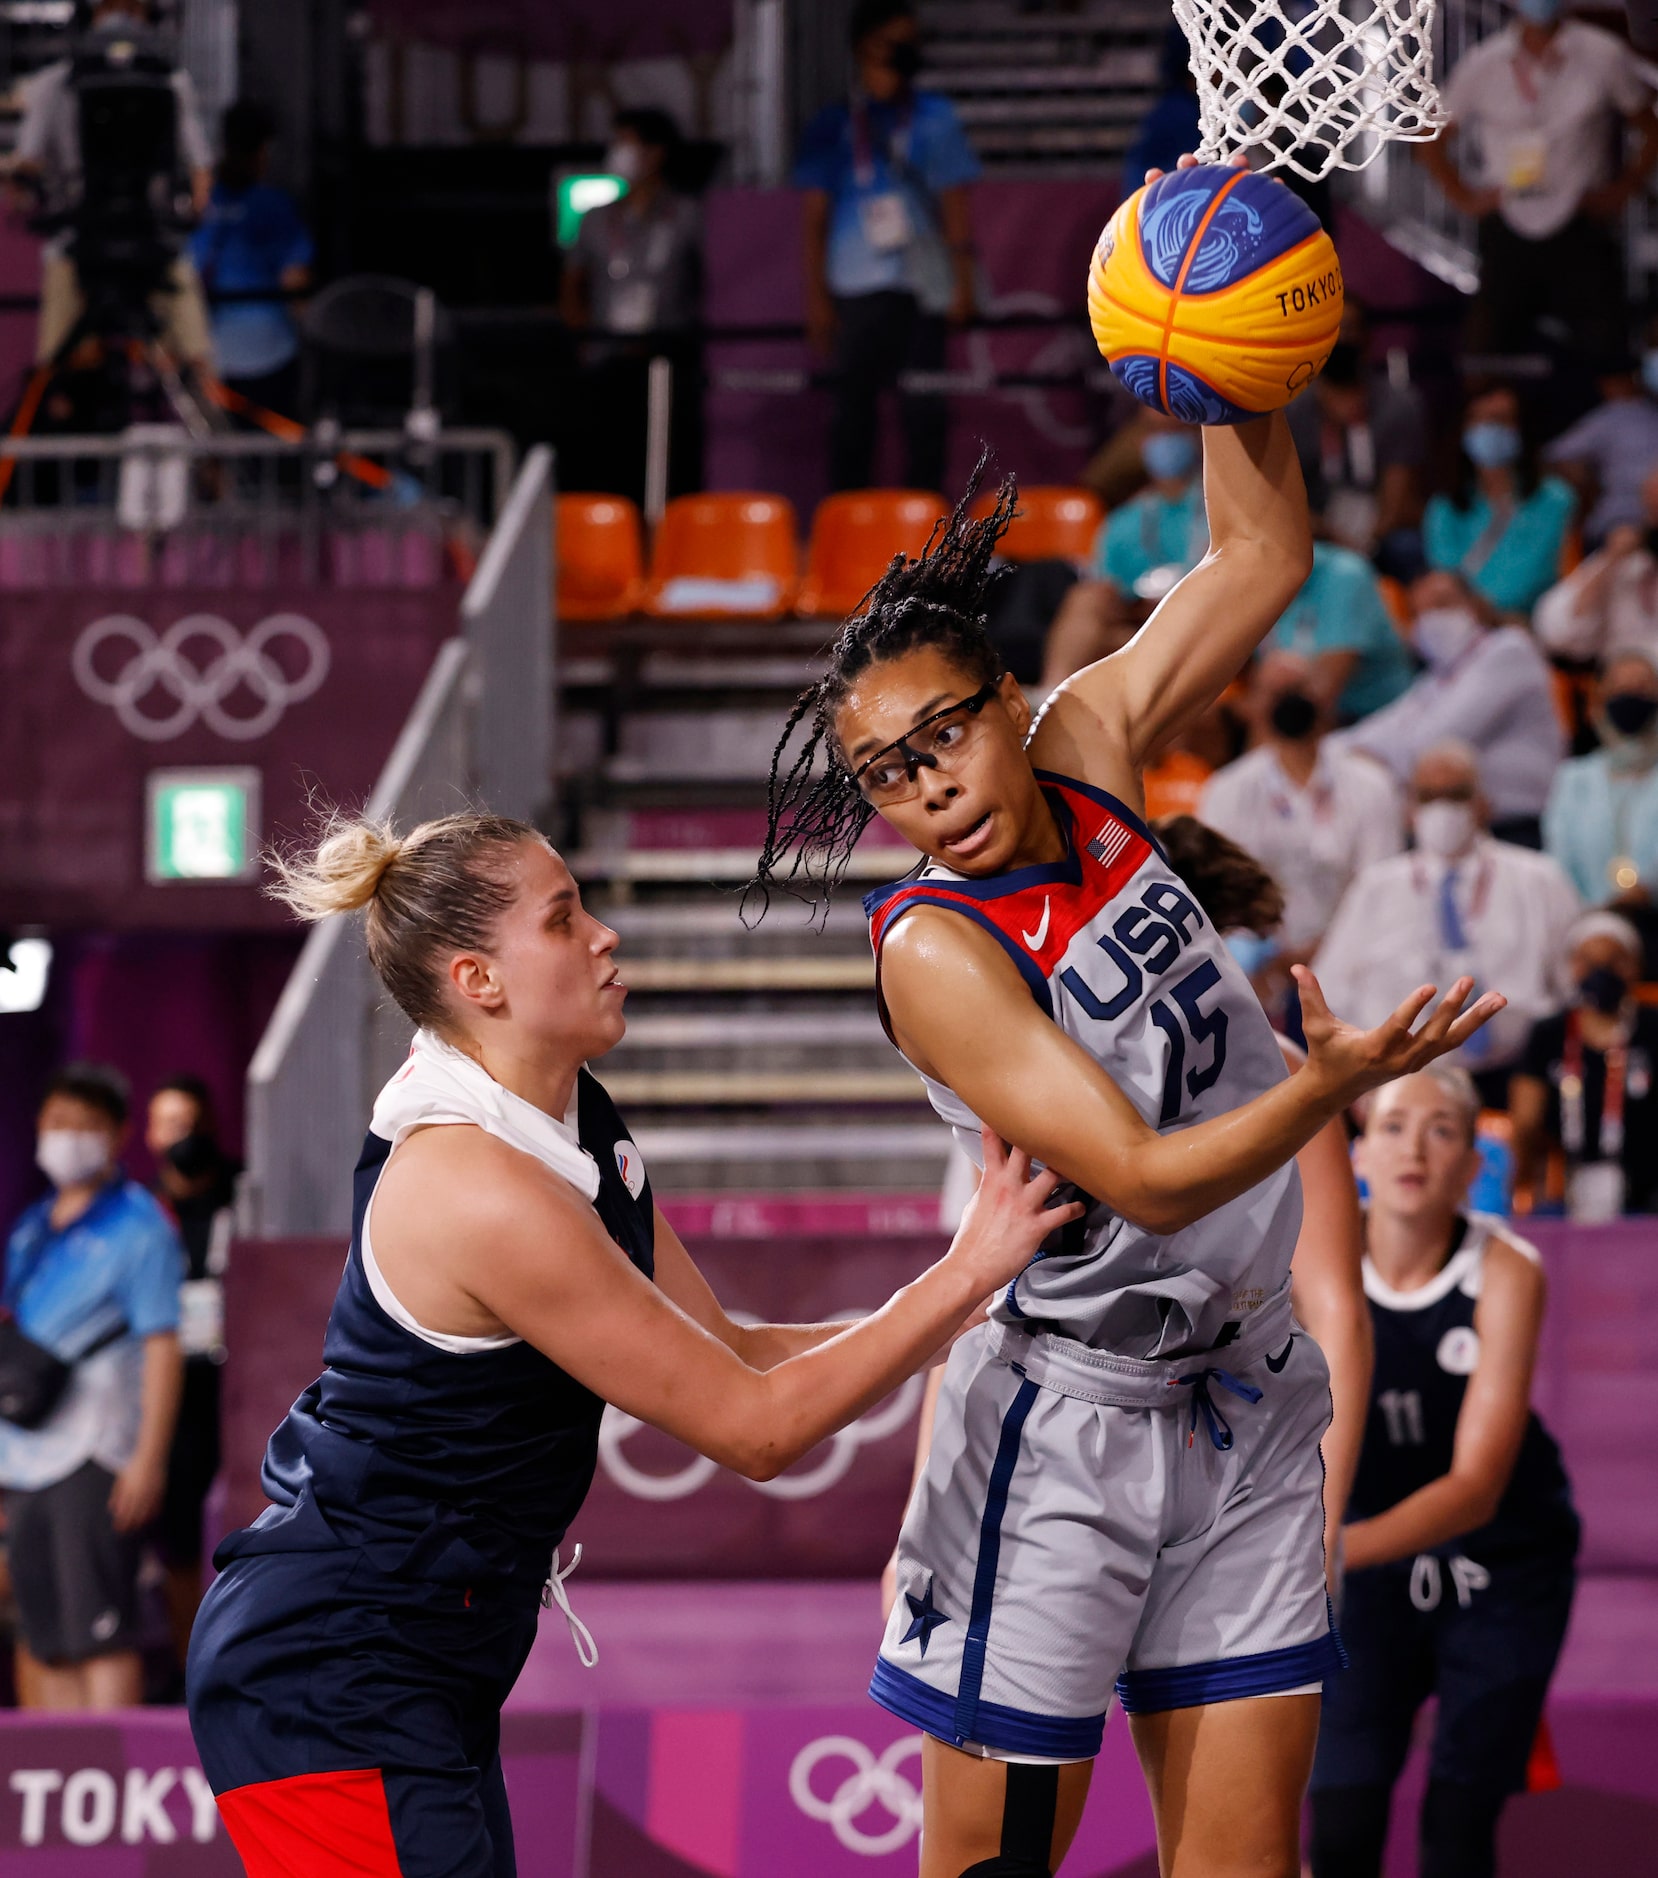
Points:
point(1426, 1349)
point(454, 1466)
point(1118, 953)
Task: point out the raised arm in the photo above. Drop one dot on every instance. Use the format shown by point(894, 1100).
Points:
point(1115, 712)
point(1043, 1092)
point(1490, 1426)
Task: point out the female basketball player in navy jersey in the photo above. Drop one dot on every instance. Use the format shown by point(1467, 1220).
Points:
point(1124, 1486)
point(508, 1275)
point(1462, 1541)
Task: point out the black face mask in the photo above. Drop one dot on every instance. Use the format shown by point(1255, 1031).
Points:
point(904, 59)
point(1342, 366)
point(1630, 713)
point(1603, 990)
point(194, 1156)
point(1294, 715)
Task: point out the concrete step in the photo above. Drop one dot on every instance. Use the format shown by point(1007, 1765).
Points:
point(849, 973)
point(695, 866)
point(814, 1027)
point(716, 1088)
point(727, 1156)
point(1131, 69)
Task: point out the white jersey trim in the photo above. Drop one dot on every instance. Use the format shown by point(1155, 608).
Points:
point(389, 1302)
point(1463, 1269)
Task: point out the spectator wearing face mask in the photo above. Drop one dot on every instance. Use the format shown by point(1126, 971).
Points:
point(1363, 445)
point(1610, 600)
point(1486, 685)
point(1611, 451)
point(1584, 1087)
point(888, 243)
point(196, 1182)
point(634, 282)
point(1312, 815)
point(1460, 903)
point(1143, 549)
point(1340, 624)
point(90, 1369)
point(1601, 823)
point(1501, 527)
point(1537, 106)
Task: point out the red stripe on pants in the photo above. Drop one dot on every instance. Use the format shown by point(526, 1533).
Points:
point(313, 1826)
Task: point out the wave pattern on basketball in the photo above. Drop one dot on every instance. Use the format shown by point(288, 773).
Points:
point(1215, 295)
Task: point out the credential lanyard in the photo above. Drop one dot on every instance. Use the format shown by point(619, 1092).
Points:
point(863, 142)
point(1571, 1093)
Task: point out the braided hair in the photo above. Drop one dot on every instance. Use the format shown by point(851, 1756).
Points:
point(815, 812)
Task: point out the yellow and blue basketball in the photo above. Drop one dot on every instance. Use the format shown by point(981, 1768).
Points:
point(1215, 294)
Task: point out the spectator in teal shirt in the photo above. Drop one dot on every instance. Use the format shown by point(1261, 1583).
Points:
point(1340, 624)
point(1601, 822)
point(1142, 550)
point(1503, 528)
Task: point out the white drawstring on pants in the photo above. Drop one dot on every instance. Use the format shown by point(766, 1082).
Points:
point(553, 1592)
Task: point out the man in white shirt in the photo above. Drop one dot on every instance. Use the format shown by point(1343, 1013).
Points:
point(1312, 815)
point(1459, 903)
point(1609, 601)
point(1540, 102)
point(1486, 685)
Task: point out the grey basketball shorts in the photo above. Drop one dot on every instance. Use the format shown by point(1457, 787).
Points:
point(1087, 1523)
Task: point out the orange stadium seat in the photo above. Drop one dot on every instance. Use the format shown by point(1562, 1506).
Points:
point(854, 535)
point(599, 557)
point(1055, 523)
point(724, 556)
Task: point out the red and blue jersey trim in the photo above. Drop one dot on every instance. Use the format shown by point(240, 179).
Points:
point(1035, 912)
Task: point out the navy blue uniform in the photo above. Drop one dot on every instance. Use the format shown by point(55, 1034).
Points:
point(1477, 1622)
point(348, 1667)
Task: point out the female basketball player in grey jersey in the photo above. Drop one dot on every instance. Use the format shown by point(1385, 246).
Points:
point(1124, 1488)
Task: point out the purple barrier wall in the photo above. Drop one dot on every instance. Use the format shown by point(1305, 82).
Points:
point(658, 1510)
point(99, 688)
point(744, 1792)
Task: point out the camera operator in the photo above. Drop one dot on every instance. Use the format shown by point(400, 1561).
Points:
point(48, 154)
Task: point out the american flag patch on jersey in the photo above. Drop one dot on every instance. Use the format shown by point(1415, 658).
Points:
point(1110, 842)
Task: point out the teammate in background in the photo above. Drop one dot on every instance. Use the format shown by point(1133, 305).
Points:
point(349, 1664)
point(1461, 1548)
point(1044, 971)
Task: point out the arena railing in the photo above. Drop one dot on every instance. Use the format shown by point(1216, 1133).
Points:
point(157, 505)
point(480, 733)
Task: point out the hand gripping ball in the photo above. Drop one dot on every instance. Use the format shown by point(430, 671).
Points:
point(1215, 294)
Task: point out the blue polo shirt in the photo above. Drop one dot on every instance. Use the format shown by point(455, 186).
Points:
point(915, 149)
point(1340, 609)
point(247, 240)
point(1151, 531)
point(120, 1262)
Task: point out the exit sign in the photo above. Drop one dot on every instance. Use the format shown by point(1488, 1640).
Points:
point(202, 824)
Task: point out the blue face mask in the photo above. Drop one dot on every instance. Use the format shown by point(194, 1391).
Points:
point(1538, 12)
point(1252, 950)
point(1168, 455)
point(1491, 445)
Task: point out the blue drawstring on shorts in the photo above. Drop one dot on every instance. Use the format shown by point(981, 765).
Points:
point(1220, 1429)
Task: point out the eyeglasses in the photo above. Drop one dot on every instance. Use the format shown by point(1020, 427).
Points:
point(937, 742)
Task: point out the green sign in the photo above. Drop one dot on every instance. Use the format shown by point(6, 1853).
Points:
point(575, 194)
point(202, 824)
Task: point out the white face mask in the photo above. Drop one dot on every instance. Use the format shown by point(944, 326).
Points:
point(1444, 828)
point(624, 160)
point(1443, 633)
point(69, 1157)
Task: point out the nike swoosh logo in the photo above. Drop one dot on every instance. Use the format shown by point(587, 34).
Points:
point(1038, 939)
point(1276, 1363)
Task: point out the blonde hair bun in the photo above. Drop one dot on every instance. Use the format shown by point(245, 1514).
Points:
point(342, 873)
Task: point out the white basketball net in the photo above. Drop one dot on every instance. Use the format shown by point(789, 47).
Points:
point(1318, 84)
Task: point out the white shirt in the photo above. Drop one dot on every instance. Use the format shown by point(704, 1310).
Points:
point(1312, 840)
point(1540, 128)
point(1391, 933)
point(1625, 615)
point(1498, 697)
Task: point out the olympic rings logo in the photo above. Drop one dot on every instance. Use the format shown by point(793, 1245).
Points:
point(617, 1427)
point(192, 690)
point(873, 1781)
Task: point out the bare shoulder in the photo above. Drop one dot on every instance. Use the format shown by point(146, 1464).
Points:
point(1082, 730)
point(461, 1183)
point(1513, 1287)
point(932, 951)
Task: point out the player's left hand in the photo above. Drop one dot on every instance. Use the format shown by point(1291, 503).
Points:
point(1238, 160)
point(1351, 1061)
point(135, 1499)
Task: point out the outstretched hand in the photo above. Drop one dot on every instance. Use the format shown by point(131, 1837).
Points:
point(1351, 1061)
point(1010, 1215)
